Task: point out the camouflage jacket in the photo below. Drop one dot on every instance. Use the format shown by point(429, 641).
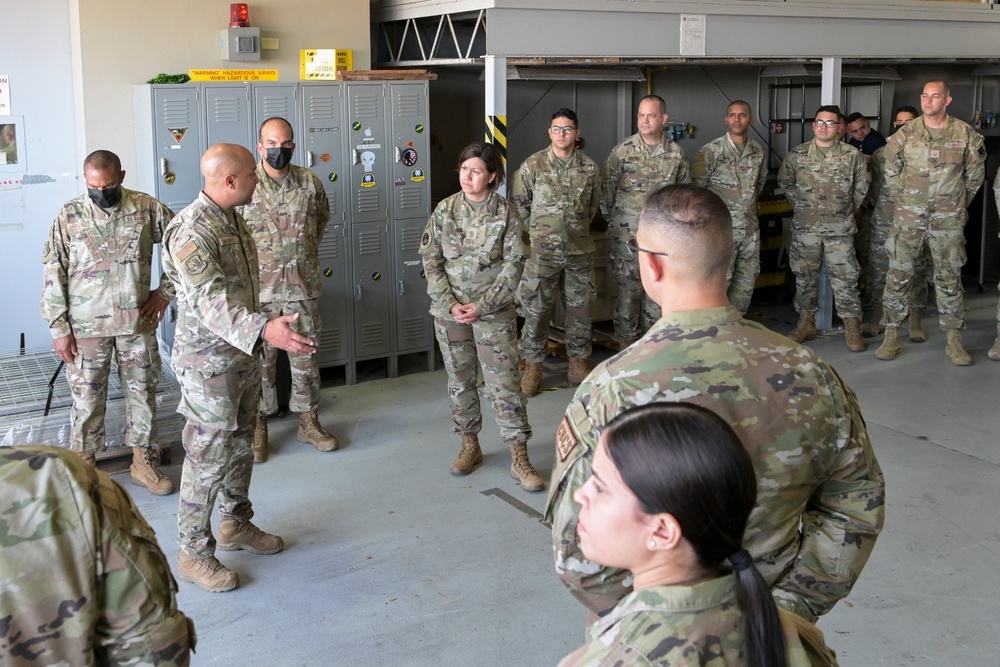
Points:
point(934, 180)
point(821, 495)
point(631, 171)
point(214, 265)
point(558, 200)
point(679, 626)
point(824, 190)
point(473, 256)
point(83, 579)
point(97, 267)
point(736, 177)
point(882, 198)
point(288, 220)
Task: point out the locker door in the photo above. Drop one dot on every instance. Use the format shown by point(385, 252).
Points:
point(367, 151)
point(372, 285)
point(321, 146)
point(227, 116)
point(409, 123)
point(413, 320)
point(274, 101)
point(334, 303)
point(178, 147)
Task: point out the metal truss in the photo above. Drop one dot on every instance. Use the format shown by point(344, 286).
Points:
point(417, 31)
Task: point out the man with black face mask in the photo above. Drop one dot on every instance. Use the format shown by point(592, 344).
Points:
point(98, 304)
point(288, 217)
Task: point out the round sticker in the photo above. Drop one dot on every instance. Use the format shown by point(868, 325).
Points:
point(408, 157)
point(325, 157)
point(417, 175)
point(327, 272)
point(356, 126)
point(368, 180)
point(423, 274)
point(169, 178)
point(332, 177)
point(376, 276)
point(419, 128)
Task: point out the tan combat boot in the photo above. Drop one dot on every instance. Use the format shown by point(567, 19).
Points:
point(311, 432)
point(521, 468)
point(89, 456)
point(852, 334)
point(916, 331)
point(470, 455)
point(244, 536)
point(531, 379)
point(145, 471)
point(955, 350)
point(805, 329)
point(994, 352)
point(578, 370)
point(874, 325)
point(259, 446)
point(889, 349)
point(206, 573)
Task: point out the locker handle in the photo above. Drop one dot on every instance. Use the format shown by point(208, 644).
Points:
point(397, 154)
point(163, 166)
point(356, 157)
point(402, 289)
point(310, 159)
point(357, 292)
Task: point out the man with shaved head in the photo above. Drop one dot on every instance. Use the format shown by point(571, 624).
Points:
point(820, 499)
point(287, 218)
point(210, 256)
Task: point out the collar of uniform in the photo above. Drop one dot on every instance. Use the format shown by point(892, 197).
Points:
point(836, 149)
point(722, 315)
point(669, 600)
point(557, 161)
point(216, 210)
point(663, 146)
point(923, 131)
point(291, 179)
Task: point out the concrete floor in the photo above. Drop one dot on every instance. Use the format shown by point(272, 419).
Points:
point(389, 559)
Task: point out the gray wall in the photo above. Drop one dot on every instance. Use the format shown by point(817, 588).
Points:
point(42, 92)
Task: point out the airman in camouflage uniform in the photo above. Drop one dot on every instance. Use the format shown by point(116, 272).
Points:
point(82, 579)
point(674, 625)
point(826, 181)
point(934, 165)
point(640, 164)
point(557, 193)
point(732, 167)
point(821, 494)
point(287, 218)
point(474, 248)
point(994, 352)
point(210, 256)
point(98, 305)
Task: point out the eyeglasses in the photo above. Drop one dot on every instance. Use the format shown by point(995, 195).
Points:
point(561, 129)
point(827, 123)
point(634, 249)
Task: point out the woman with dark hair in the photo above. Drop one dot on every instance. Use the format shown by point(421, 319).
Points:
point(474, 248)
point(669, 497)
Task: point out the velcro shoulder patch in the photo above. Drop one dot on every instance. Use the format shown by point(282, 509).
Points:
point(186, 250)
point(565, 439)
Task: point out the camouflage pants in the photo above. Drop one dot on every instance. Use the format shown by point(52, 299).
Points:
point(138, 360)
point(947, 250)
point(305, 370)
point(544, 278)
point(864, 252)
point(917, 294)
point(744, 267)
point(806, 255)
point(221, 413)
point(492, 341)
point(635, 312)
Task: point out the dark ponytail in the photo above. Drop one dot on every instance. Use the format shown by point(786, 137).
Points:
point(684, 460)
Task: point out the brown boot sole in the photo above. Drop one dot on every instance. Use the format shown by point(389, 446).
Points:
point(156, 492)
point(221, 587)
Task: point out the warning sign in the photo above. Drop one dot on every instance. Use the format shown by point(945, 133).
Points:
point(233, 74)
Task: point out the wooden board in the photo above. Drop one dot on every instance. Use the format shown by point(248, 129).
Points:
point(386, 75)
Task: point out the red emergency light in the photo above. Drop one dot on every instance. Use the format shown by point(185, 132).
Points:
point(239, 17)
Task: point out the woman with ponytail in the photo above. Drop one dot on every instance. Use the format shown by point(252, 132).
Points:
point(669, 498)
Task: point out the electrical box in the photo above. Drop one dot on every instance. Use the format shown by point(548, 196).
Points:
point(240, 44)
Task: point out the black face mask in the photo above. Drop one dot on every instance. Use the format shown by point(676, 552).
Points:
point(279, 157)
point(107, 198)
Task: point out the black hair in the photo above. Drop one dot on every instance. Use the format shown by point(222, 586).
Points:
point(742, 103)
point(489, 154)
point(260, 133)
point(907, 109)
point(857, 115)
point(699, 215)
point(830, 108)
point(656, 98)
point(566, 113)
point(103, 160)
point(685, 460)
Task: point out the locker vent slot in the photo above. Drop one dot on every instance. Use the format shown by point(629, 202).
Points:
point(369, 201)
point(410, 239)
point(226, 111)
point(176, 111)
point(275, 105)
point(330, 247)
point(410, 196)
point(413, 328)
point(330, 340)
point(323, 108)
point(408, 105)
point(334, 204)
point(366, 107)
point(373, 334)
point(369, 243)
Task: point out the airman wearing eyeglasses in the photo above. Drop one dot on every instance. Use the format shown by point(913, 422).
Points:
point(288, 216)
point(825, 180)
point(935, 164)
point(642, 163)
point(557, 192)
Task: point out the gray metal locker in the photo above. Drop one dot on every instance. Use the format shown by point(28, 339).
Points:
point(413, 325)
point(409, 122)
point(321, 145)
point(334, 340)
point(372, 282)
point(368, 150)
point(275, 101)
point(228, 116)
